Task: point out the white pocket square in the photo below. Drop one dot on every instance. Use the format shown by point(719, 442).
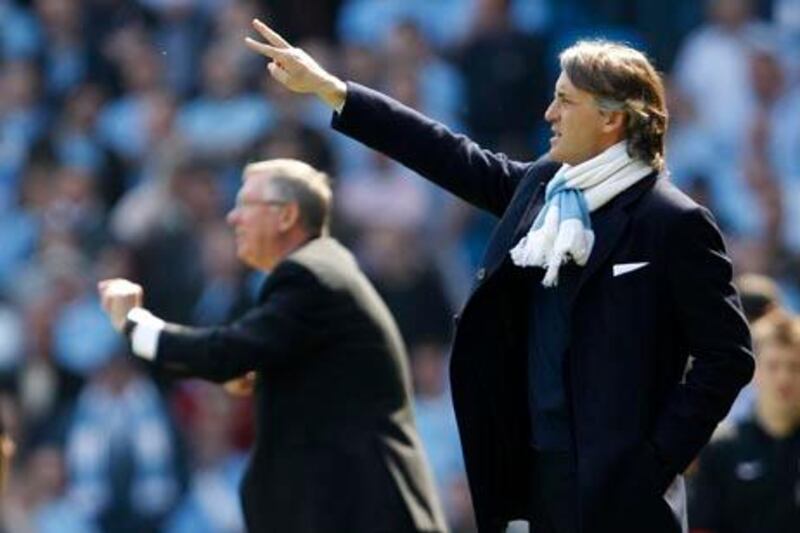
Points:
point(625, 268)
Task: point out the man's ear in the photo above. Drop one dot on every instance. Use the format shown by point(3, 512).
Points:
point(289, 217)
point(614, 121)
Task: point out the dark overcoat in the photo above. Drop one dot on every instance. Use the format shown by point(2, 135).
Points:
point(336, 446)
point(638, 416)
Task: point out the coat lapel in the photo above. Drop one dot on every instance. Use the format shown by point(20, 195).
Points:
point(515, 224)
point(609, 224)
point(528, 216)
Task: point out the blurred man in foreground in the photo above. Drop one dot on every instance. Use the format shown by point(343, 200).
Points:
point(336, 444)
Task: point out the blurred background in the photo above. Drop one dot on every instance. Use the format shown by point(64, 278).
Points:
point(124, 125)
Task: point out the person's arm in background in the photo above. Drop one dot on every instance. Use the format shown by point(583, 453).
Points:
point(478, 176)
point(271, 334)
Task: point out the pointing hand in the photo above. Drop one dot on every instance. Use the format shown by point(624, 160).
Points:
point(295, 69)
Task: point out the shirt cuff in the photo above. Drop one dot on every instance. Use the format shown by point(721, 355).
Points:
point(144, 333)
point(339, 108)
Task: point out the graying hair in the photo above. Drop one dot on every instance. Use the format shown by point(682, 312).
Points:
point(295, 181)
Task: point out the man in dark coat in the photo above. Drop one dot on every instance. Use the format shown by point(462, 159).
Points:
point(336, 444)
point(576, 405)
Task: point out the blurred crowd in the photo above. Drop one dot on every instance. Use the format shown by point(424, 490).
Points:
point(124, 126)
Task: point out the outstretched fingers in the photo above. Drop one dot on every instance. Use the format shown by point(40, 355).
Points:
point(265, 49)
point(270, 35)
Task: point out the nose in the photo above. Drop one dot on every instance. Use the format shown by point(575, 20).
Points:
point(550, 114)
point(232, 217)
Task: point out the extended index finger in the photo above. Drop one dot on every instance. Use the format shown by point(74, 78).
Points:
point(265, 49)
point(270, 35)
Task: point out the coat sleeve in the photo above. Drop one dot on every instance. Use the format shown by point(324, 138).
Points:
point(705, 498)
point(278, 332)
point(709, 317)
point(480, 177)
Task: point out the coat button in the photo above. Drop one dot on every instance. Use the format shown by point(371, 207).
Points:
point(481, 274)
point(456, 318)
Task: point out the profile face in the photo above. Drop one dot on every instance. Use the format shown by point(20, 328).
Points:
point(256, 222)
point(577, 124)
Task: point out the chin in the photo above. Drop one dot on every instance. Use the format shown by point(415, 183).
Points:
point(556, 155)
point(244, 258)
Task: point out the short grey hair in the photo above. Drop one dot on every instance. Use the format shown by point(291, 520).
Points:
point(296, 181)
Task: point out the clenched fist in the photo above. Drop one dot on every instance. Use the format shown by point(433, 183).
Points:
point(118, 296)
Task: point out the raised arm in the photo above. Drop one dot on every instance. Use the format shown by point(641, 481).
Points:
point(480, 177)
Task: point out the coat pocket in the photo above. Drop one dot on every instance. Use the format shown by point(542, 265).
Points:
point(640, 504)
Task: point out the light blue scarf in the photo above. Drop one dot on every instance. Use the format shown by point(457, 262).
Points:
point(562, 231)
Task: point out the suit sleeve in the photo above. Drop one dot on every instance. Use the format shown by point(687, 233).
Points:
point(705, 499)
point(711, 322)
point(480, 177)
point(279, 332)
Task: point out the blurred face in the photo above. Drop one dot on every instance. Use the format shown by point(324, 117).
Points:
point(84, 106)
point(19, 85)
point(766, 76)
point(730, 13)
point(778, 378)
point(581, 130)
point(221, 77)
point(259, 222)
point(45, 472)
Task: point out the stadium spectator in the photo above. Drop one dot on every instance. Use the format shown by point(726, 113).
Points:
point(748, 476)
point(760, 296)
point(437, 424)
point(211, 503)
point(38, 500)
point(121, 455)
point(7, 449)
